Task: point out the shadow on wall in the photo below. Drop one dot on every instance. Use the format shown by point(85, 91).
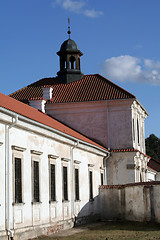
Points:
point(89, 213)
point(131, 202)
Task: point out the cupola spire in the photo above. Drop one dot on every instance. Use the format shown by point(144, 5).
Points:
point(69, 31)
point(70, 67)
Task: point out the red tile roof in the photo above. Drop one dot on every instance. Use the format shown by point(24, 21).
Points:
point(32, 113)
point(129, 150)
point(154, 164)
point(92, 87)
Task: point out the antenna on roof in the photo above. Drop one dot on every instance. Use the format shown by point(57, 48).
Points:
point(69, 32)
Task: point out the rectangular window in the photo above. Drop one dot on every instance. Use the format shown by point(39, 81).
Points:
point(52, 183)
point(35, 181)
point(76, 184)
point(90, 185)
point(133, 130)
point(101, 178)
point(65, 184)
point(18, 181)
point(138, 130)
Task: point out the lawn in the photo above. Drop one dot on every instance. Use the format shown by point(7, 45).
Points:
point(110, 231)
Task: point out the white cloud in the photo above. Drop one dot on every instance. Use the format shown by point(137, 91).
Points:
point(77, 7)
point(73, 6)
point(92, 13)
point(132, 69)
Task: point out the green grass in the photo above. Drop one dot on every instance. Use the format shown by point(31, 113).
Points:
point(112, 231)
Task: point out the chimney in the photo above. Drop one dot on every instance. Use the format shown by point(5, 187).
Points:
point(38, 104)
point(47, 92)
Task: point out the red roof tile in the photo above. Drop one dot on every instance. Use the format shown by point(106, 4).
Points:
point(32, 113)
point(154, 164)
point(90, 88)
point(129, 150)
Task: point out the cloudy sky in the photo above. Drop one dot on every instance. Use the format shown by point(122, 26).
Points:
point(120, 39)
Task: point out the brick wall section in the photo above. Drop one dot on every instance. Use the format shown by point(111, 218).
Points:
point(129, 185)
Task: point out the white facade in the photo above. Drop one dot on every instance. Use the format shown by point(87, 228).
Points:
point(28, 143)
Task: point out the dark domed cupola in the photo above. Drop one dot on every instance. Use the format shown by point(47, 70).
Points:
point(70, 67)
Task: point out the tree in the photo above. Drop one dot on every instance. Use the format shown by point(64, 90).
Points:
point(153, 147)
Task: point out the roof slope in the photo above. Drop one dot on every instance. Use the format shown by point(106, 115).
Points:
point(91, 87)
point(154, 164)
point(32, 113)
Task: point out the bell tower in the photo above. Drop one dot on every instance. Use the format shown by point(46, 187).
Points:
point(70, 62)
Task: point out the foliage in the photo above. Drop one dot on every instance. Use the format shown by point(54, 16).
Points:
point(153, 147)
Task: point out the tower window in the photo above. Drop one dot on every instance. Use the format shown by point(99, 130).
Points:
point(72, 62)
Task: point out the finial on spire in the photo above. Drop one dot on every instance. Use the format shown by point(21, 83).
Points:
point(69, 32)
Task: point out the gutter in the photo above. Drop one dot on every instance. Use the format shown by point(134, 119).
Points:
point(8, 181)
point(76, 144)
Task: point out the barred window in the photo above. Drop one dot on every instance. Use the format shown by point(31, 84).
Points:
point(65, 184)
point(90, 185)
point(76, 184)
point(18, 181)
point(35, 181)
point(52, 183)
point(101, 178)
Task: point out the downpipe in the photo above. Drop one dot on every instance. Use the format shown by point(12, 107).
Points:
point(8, 174)
point(73, 182)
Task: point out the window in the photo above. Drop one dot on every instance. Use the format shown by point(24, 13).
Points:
point(76, 184)
point(101, 178)
point(133, 130)
point(72, 62)
point(138, 130)
point(18, 159)
point(52, 183)
point(35, 176)
point(90, 185)
point(35, 181)
point(65, 184)
point(18, 181)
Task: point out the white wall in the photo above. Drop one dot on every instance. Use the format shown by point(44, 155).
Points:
point(30, 142)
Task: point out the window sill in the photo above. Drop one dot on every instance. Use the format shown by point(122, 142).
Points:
point(18, 204)
point(36, 203)
point(53, 202)
point(77, 200)
point(65, 201)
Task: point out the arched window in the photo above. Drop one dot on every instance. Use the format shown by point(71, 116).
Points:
point(79, 66)
point(63, 63)
point(72, 62)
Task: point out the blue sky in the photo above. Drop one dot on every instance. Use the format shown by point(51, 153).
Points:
point(120, 39)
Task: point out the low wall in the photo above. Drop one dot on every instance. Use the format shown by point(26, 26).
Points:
point(133, 202)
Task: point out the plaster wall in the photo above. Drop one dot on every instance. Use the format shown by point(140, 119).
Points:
point(30, 142)
point(2, 177)
point(120, 168)
point(108, 122)
point(135, 202)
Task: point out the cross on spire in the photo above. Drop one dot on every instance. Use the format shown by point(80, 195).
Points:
point(69, 32)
